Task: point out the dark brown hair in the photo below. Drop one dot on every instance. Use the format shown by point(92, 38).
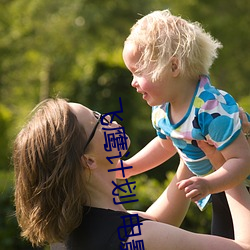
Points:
point(49, 182)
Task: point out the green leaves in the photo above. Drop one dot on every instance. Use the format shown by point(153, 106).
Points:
point(73, 48)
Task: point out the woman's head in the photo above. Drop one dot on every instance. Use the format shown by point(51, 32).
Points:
point(161, 36)
point(49, 167)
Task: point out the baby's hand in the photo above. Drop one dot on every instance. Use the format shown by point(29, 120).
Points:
point(195, 187)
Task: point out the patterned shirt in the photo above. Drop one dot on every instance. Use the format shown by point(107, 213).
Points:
point(213, 115)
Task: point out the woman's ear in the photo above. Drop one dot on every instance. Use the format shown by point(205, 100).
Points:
point(89, 161)
point(175, 66)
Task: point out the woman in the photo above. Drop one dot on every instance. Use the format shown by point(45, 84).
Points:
point(63, 190)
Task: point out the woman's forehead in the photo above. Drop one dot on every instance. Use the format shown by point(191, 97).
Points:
point(78, 108)
point(84, 115)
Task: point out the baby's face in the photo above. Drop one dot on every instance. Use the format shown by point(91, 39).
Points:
point(154, 93)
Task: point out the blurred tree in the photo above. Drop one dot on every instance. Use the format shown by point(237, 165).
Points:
point(72, 48)
point(244, 102)
point(228, 21)
point(51, 47)
point(5, 123)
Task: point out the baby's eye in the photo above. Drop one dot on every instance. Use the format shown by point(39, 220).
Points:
point(137, 73)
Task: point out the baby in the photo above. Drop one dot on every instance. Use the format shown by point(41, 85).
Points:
point(170, 59)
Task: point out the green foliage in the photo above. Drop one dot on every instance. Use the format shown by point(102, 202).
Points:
point(5, 123)
point(230, 71)
point(73, 48)
point(245, 103)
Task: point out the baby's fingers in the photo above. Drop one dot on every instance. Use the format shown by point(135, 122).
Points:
point(194, 195)
point(184, 183)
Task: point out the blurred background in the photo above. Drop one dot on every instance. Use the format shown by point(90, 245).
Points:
point(72, 48)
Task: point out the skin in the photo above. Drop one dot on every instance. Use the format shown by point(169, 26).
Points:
point(245, 122)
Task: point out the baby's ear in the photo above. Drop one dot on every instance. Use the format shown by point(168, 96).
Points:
point(175, 66)
point(89, 161)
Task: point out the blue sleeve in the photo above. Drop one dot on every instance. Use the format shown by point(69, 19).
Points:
point(159, 122)
point(162, 136)
point(219, 120)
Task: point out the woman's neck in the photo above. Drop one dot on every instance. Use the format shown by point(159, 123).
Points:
point(100, 187)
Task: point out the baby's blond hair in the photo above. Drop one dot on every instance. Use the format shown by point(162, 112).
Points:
point(161, 36)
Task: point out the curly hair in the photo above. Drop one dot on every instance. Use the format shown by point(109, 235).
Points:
point(160, 36)
point(49, 181)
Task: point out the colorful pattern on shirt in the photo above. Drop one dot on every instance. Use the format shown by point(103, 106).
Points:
point(213, 115)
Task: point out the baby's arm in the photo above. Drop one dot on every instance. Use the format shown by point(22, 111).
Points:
point(152, 155)
point(234, 171)
point(171, 207)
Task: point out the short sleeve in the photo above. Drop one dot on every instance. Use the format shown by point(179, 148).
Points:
point(219, 120)
point(162, 136)
point(159, 121)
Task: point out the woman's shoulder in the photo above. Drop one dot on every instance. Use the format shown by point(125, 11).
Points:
point(102, 227)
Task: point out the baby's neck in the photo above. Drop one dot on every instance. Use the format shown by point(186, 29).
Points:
point(180, 105)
